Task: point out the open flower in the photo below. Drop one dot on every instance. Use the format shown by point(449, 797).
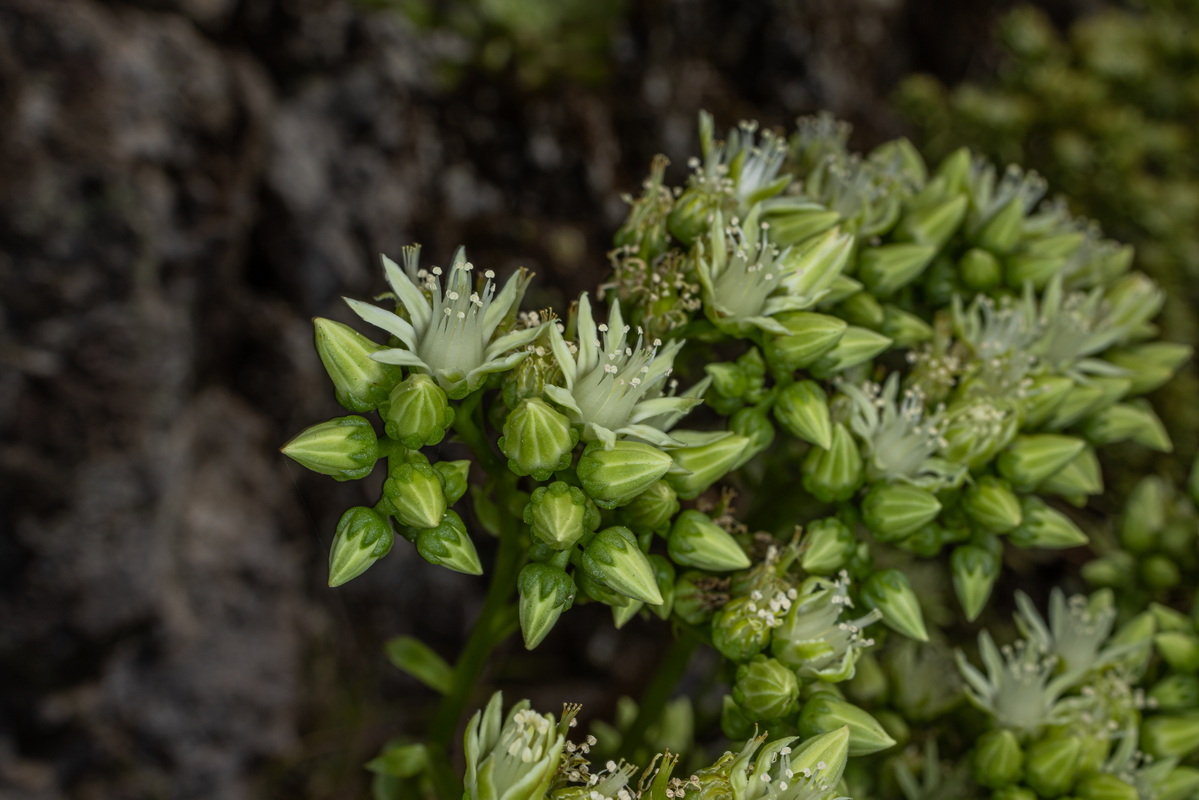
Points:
point(450, 332)
point(615, 388)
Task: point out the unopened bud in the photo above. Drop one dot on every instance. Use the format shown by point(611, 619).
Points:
point(825, 712)
point(704, 459)
point(1128, 421)
point(1043, 397)
point(560, 514)
point(345, 448)
point(1032, 458)
point(828, 544)
point(1171, 735)
point(652, 510)
point(1105, 786)
point(810, 336)
point(1179, 649)
point(696, 541)
point(359, 383)
point(612, 558)
point(891, 593)
point(834, 474)
point(766, 688)
point(856, 346)
point(752, 422)
point(417, 412)
point(980, 270)
point(888, 268)
point(974, 571)
point(904, 328)
point(1051, 765)
point(448, 545)
point(545, 592)
point(998, 759)
point(415, 493)
point(454, 475)
point(664, 576)
point(933, 224)
point(1176, 693)
point(1150, 365)
point(991, 503)
point(1144, 514)
point(1045, 527)
point(824, 756)
point(802, 409)
point(1079, 478)
point(537, 439)
point(739, 630)
point(614, 477)
point(893, 511)
point(362, 538)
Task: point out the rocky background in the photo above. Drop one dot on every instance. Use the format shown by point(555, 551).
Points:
point(183, 185)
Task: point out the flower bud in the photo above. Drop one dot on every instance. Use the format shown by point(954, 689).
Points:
point(893, 511)
point(810, 336)
point(704, 459)
point(992, 504)
point(1051, 765)
point(1105, 786)
point(734, 722)
point(362, 538)
point(1181, 783)
point(1128, 421)
point(740, 630)
point(766, 689)
point(1014, 793)
point(795, 220)
point(415, 493)
point(823, 756)
point(1171, 736)
point(802, 409)
point(359, 383)
point(1160, 572)
point(887, 268)
point(537, 439)
point(652, 510)
point(449, 546)
point(903, 328)
point(696, 541)
point(1150, 365)
point(454, 476)
point(1002, 231)
point(856, 346)
point(621, 615)
point(813, 266)
point(728, 381)
point(932, 224)
point(1043, 397)
point(1114, 569)
point(664, 576)
point(1045, 527)
point(591, 588)
point(825, 712)
point(545, 592)
point(998, 759)
point(828, 544)
point(615, 477)
point(752, 422)
point(560, 514)
point(841, 289)
point(1081, 477)
point(1144, 515)
point(1175, 693)
point(345, 448)
point(1179, 649)
point(417, 412)
point(612, 558)
point(980, 270)
point(974, 571)
point(1032, 458)
point(890, 592)
point(1082, 399)
point(834, 474)
point(861, 309)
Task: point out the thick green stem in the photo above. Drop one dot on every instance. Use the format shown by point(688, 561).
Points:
point(657, 694)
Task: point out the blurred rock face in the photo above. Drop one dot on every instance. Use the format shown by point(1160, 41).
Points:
point(182, 185)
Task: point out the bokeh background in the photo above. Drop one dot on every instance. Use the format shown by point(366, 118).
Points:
point(185, 183)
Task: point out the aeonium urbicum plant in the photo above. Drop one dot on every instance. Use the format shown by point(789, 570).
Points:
point(899, 380)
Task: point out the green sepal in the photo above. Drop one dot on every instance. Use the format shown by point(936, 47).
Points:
point(856, 346)
point(824, 712)
point(614, 477)
point(652, 510)
point(363, 536)
point(345, 448)
point(827, 546)
point(612, 558)
point(704, 459)
point(455, 477)
point(448, 545)
point(887, 268)
point(998, 759)
point(809, 336)
point(417, 412)
point(1045, 527)
point(1032, 458)
point(833, 475)
point(545, 592)
point(415, 492)
point(560, 514)
point(891, 593)
point(696, 541)
point(1051, 765)
point(664, 576)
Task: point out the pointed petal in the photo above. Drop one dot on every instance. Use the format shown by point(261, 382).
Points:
point(501, 304)
point(588, 355)
point(495, 365)
point(403, 358)
point(767, 324)
point(563, 398)
point(566, 361)
point(510, 341)
point(386, 320)
point(598, 433)
point(650, 434)
point(662, 405)
point(410, 296)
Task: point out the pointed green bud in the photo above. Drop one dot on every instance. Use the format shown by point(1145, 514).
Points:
point(696, 541)
point(696, 597)
point(345, 448)
point(752, 422)
point(652, 510)
point(1082, 476)
point(824, 712)
point(1087, 398)
point(1179, 649)
point(359, 382)
point(1169, 619)
point(893, 511)
point(991, 503)
point(417, 412)
point(448, 545)
point(802, 409)
point(1051, 765)
point(1144, 515)
point(813, 266)
point(1171, 736)
point(903, 328)
point(766, 689)
point(1002, 231)
point(1128, 421)
point(664, 576)
point(833, 475)
point(856, 346)
point(1115, 569)
point(704, 459)
point(1105, 786)
point(843, 288)
point(953, 173)
point(862, 309)
point(612, 558)
point(1045, 527)
point(809, 336)
point(980, 270)
point(1044, 395)
point(454, 476)
point(739, 631)
point(560, 514)
point(933, 224)
point(794, 220)
point(887, 268)
point(1032, 458)
point(1175, 693)
point(362, 538)
point(614, 477)
point(415, 493)
point(827, 546)
point(890, 592)
point(537, 439)
point(545, 592)
point(823, 756)
point(974, 571)
point(1014, 793)
point(1150, 365)
point(621, 615)
point(727, 379)
point(1181, 783)
point(998, 759)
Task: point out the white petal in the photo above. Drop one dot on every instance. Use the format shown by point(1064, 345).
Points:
point(768, 324)
point(662, 405)
point(588, 356)
point(566, 361)
point(386, 320)
point(563, 398)
point(511, 340)
point(411, 296)
point(404, 358)
point(502, 303)
point(649, 434)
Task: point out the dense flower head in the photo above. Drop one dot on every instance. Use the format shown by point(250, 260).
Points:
point(449, 327)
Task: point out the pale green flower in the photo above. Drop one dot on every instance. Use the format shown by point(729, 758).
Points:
point(815, 637)
point(450, 332)
point(1077, 630)
point(515, 760)
point(615, 387)
point(1019, 689)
